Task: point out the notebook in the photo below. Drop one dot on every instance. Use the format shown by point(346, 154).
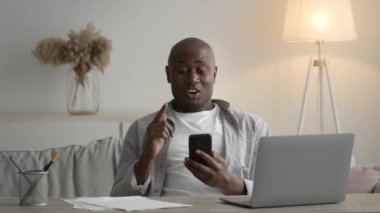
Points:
point(299, 170)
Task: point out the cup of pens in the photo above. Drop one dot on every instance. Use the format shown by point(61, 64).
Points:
point(33, 188)
point(33, 184)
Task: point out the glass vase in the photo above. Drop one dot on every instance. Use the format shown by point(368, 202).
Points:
point(83, 95)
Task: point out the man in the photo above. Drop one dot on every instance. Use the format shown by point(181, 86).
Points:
point(154, 159)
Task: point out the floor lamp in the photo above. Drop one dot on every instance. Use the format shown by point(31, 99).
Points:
point(319, 21)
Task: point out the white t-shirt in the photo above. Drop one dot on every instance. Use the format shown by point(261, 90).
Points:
point(178, 179)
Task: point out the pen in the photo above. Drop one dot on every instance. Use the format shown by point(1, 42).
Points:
point(19, 169)
point(54, 157)
point(15, 164)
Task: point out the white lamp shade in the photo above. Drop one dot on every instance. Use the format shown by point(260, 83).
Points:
point(319, 20)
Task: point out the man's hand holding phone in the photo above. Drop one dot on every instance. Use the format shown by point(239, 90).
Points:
point(205, 165)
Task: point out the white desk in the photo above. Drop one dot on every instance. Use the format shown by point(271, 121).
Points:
point(353, 203)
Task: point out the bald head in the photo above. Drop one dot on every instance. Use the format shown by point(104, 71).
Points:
point(191, 71)
point(186, 45)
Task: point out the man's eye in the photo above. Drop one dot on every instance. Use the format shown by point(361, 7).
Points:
point(182, 70)
point(202, 70)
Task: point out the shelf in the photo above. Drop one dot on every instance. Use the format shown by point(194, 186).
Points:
point(127, 117)
point(38, 125)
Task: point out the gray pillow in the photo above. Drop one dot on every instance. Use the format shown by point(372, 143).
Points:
point(377, 187)
point(363, 179)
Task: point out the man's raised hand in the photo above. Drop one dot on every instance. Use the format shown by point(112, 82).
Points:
point(159, 132)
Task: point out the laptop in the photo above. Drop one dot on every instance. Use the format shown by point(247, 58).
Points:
point(299, 170)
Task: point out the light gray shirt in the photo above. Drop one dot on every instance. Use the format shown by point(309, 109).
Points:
point(242, 132)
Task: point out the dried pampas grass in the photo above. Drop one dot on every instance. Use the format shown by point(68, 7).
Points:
point(85, 50)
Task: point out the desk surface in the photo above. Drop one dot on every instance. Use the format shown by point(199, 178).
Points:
point(353, 203)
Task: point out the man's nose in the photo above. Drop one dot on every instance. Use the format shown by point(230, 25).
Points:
point(193, 76)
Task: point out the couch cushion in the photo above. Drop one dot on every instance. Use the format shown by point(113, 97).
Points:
point(377, 187)
point(80, 170)
point(95, 168)
point(363, 179)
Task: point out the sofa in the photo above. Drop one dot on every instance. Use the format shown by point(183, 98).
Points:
point(90, 170)
point(80, 170)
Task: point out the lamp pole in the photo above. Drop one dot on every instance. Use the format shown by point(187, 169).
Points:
point(321, 63)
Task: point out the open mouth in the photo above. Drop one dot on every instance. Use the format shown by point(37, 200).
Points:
point(193, 92)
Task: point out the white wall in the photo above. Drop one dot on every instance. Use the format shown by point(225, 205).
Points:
point(257, 71)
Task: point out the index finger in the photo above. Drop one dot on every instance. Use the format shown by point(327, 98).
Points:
point(161, 114)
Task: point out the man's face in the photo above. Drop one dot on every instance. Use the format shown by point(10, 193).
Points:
point(192, 76)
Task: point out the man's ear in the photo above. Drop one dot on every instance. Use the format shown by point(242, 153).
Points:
point(167, 70)
point(216, 71)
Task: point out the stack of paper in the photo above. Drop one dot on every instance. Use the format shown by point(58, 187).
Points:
point(131, 203)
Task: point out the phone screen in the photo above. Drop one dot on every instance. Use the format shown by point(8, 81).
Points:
point(201, 142)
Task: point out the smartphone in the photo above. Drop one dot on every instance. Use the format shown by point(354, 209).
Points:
point(201, 142)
